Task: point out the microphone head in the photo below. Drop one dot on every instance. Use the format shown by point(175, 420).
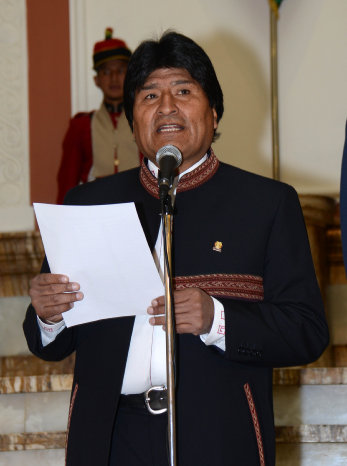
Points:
point(169, 150)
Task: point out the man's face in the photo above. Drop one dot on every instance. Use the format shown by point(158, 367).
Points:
point(110, 79)
point(172, 108)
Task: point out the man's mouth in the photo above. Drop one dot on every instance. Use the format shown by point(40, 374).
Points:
point(169, 128)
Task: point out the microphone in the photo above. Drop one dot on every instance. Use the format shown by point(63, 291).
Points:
point(168, 158)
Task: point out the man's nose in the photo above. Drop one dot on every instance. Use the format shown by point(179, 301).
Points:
point(115, 74)
point(167, 104)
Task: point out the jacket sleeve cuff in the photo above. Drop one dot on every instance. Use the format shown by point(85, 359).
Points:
point(49, 332)
point(216, 336)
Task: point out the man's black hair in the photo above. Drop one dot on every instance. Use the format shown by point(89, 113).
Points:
point(172, 50)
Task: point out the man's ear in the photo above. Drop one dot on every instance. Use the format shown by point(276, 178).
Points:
point(96, 80)
point(215, 118)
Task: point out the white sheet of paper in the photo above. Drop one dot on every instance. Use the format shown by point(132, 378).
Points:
point(104, 249)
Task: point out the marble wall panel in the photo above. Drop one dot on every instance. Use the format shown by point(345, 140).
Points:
point(46, 411)
point(36, 383)
point(311, 433)
point(14, 366)
point(12, 312)
point(21, 256)
point(313, 404)
point(336, 295)
point(32, 441)
point(310, 376)
point(308, 454)
point(12, 413)
point(33, 458)
point(293, 455)
point(34, 412)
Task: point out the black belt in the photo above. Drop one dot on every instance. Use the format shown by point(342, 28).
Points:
point(154, 400)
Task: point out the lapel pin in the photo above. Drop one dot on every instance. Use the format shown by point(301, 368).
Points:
point(218, 246)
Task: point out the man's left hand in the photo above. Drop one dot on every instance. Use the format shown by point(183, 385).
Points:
point(194, 311)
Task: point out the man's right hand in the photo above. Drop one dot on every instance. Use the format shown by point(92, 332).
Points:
point(52, 294)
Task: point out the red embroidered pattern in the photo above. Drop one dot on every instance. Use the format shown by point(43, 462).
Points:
point(254, 415)
point(47, 329)
point(240, 286)
point(69, 418)
point(148, 181)
point(200, 175)
point(191, 180)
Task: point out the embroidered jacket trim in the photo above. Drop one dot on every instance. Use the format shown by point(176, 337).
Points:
point(239, 286)
point(72, 402)
point(191, 180)
point(255, 420)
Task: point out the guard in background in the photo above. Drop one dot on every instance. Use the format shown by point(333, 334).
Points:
point(100, 143)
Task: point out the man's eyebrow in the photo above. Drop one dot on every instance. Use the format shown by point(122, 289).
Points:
point(154, 85)
point(148, 86)
point(182, 81)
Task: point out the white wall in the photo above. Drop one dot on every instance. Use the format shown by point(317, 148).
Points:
point(313, 98)
point(312, 65)
point(15, 213)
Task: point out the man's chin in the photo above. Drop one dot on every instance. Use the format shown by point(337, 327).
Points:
point(114, 99)
point(174, 138)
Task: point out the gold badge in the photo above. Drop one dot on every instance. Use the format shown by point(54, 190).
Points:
point(218, 246)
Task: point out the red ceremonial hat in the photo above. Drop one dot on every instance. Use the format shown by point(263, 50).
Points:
point(110, 49)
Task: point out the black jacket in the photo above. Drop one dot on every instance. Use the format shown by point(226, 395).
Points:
point(274, 316)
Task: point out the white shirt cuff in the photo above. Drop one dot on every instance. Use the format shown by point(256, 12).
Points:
point(49, 332)
point(216, 336)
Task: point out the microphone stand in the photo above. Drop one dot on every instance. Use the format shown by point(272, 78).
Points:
point(167, 217)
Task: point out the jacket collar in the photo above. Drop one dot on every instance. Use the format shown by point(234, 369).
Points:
point(191, 180)
point(113, 108)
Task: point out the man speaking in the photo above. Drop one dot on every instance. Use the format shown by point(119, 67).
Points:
point(246, 297)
